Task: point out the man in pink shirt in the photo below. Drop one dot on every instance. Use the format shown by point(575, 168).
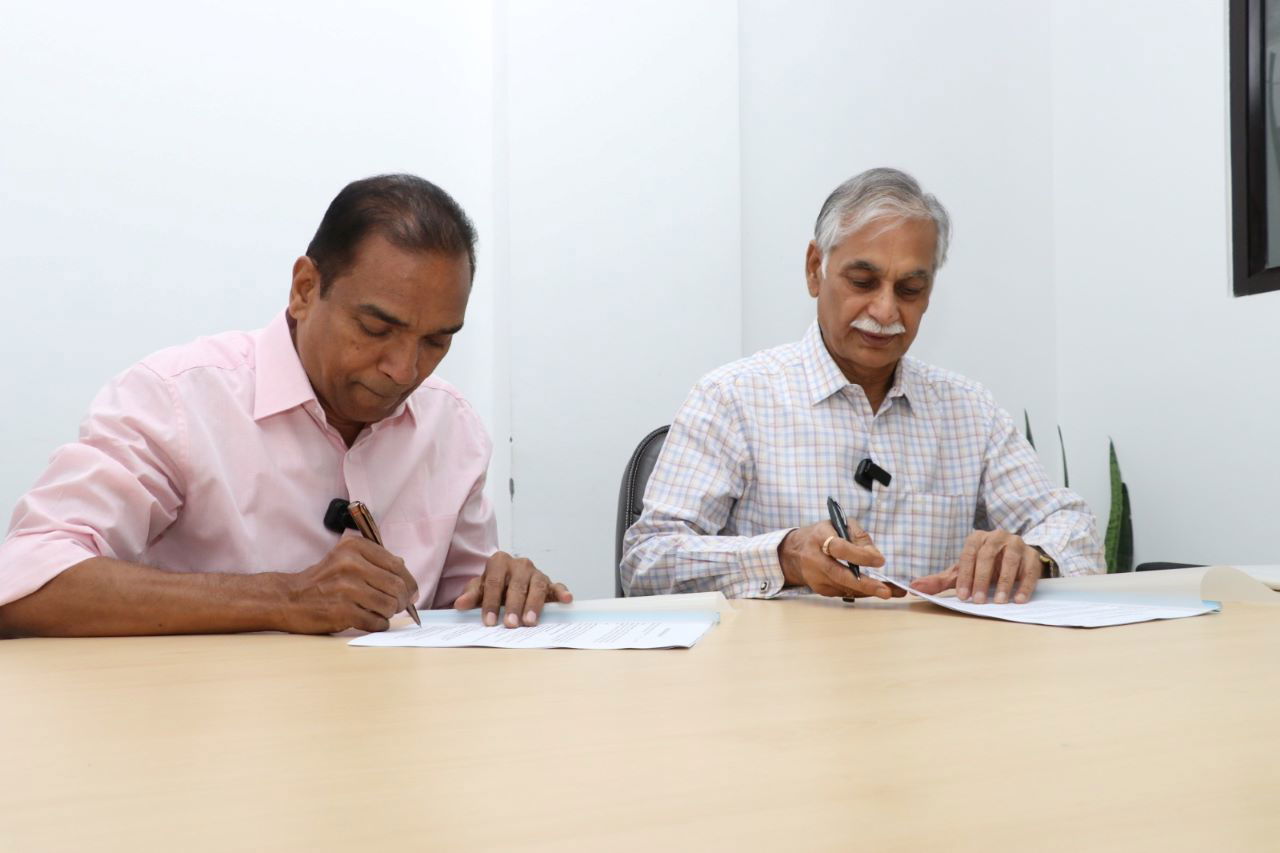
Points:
point(194, 500)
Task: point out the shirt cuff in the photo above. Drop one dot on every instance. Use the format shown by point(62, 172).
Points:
point(762, 572)
point(29, 562)
point(1055, 550)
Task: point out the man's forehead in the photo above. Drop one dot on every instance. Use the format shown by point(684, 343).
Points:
point(387, 272)
point(856, 263)
point(895, 241)
point(421, 307)
point(377, 254)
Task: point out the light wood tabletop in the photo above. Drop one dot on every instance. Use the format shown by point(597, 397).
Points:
point(794, 725)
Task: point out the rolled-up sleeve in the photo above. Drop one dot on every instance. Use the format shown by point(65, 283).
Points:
point(676, 545)
point(1016, 495)
point(109, 494)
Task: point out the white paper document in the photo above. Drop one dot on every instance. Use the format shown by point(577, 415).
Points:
point(1096, 601)
point(1073, 613)
point(575, 629)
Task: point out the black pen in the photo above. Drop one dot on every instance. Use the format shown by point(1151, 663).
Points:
point(369, 530)
point(842, 529)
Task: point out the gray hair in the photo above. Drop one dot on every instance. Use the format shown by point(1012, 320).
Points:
point(877, 194)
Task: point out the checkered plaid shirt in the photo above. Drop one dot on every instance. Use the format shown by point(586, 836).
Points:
point(760, 443)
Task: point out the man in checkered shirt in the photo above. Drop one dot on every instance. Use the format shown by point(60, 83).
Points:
point(737, 501)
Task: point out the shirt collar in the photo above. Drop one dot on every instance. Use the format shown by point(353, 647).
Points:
point(906, 382)
point(281, 382)
point(826, 378)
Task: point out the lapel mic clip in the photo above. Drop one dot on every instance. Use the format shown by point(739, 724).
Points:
point(869, 472)
point(337, 518)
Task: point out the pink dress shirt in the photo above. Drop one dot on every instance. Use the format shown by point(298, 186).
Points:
point(216, 457)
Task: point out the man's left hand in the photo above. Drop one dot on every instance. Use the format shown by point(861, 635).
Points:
point(515, 583)
point(989, 557)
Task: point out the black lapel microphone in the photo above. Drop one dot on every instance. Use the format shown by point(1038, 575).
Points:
point(869, 471)
point(337, 518)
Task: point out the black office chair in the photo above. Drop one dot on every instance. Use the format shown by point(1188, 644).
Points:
point(631, 493)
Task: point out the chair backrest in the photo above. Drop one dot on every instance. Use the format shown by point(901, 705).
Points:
point(631, 493)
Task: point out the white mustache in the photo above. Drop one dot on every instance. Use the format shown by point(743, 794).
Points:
point(871, 327)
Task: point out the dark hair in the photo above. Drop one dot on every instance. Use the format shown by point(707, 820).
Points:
point(410, 212)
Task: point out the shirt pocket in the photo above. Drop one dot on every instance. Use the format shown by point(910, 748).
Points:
point(921, 533)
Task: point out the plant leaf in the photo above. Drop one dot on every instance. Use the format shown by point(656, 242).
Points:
point(1066, 480)
point(1124, 554)
point(1114, 519)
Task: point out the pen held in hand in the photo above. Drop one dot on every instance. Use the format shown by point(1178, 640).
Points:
point(842, 529)
point(369, 530)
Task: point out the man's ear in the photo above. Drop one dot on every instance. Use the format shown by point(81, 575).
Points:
point(813, 268)
point(305, 288)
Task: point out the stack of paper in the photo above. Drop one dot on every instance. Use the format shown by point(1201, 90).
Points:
point(1095, 601)
point(661, 622)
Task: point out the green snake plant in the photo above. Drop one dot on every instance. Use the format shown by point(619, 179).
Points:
point(1119, 540)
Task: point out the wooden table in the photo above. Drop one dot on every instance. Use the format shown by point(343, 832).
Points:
point(795, 725)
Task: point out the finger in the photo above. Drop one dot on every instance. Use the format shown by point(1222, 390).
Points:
point(561, 593)
point(936, 583)
point(470, 596)
point(401, 572)
point(375, 601)
point(845, 583)
point(859, 554)
point(383, 559)
point(856, 534)
point(1010, 564)
point(820, 586)
point(965, 566)
point(1030, 576)
point(870, 587)
point(859, 547)
point(823, 586)
point(539, 586)
point(517, 591)
point(494, 581)
point(363, 620)
point(983, 567)
point(386, 583)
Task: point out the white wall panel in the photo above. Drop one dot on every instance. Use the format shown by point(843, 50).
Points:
point(624, 250)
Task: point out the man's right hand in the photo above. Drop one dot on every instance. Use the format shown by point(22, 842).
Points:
point(804, 564)
point(358, 584)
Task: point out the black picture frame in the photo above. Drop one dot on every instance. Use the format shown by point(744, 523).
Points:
point(1249, 212)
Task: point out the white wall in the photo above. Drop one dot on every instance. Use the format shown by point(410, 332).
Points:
point(954, 93)
point(163, 164)
point(624, 250)
point(1153, 350)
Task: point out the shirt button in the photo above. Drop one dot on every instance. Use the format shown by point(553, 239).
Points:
point(764, 586)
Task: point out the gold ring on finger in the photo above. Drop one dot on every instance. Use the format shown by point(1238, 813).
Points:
point(826, 545)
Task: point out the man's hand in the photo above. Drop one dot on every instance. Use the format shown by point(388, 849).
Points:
point(804, 564)
point(358, 584)
point(515, 583)
point(989, 557)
